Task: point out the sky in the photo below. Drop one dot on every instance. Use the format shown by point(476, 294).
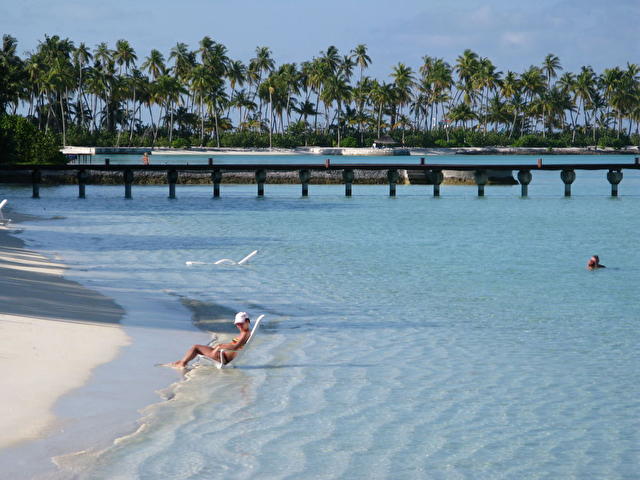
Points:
point(514, 34)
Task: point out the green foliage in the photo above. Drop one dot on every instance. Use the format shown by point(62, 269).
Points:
point(608, 141)
point(22, 143)
point(530, 141)
point(181, 143)
point(244, 140)
point(443, 143)
point(349, 142)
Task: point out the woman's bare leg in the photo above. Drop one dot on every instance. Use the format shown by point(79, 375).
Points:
point(192, 353)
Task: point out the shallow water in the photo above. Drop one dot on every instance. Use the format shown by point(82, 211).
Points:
point(408, 337)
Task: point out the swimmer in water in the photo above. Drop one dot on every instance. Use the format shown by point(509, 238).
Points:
point(594, 263)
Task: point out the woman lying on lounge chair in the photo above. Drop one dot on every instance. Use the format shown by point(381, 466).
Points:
point(224, 352)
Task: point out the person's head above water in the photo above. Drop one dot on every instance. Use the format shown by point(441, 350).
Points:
point(594, 262)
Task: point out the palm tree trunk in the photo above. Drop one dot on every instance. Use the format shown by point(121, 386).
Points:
point(215, 116)
point(133, 117)
point(64, 132)
point(201, 123)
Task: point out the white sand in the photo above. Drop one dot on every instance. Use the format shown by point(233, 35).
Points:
point(53, 332)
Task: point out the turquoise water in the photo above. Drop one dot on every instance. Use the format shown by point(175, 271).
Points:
point(222, 159)
point(410, 337)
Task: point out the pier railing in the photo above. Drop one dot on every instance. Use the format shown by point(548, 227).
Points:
point(432, 173)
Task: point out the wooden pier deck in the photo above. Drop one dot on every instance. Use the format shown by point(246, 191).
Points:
point(431, 171)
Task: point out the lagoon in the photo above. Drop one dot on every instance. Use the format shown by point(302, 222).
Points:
point(407, 337)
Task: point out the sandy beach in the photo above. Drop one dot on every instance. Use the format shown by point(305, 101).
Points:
point(53, 333)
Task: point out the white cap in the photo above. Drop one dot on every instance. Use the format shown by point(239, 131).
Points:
point(241, 317)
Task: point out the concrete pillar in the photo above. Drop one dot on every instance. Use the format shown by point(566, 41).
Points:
point(435, 177)
point(216, 178)
point(305, 176)
point(36, 178)
point(614, 177)
point(568, 176)
point(393, 177)
point(261, 177)
point(347, 177)
point(128, 180)
point(172, 178)
point(82, 181)
point(481, 178)
point(524, 177)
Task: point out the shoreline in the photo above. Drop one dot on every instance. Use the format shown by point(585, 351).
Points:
point(77, 361)
point(54, 333)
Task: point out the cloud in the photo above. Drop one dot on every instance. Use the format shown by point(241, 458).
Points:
point(514, 39)
point(482, 16)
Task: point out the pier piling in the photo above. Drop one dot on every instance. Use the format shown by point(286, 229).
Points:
point(347, 177)
point(436, 177)
point(305, 176)
point(172, 178)
point(216, 178)
point(481, 178)
point(128, 181)
point(36, 178)
point(568, 177)
point(524, 177)
point(393, 177)
point(614, 177)
point(82, 181)
point(261, 177)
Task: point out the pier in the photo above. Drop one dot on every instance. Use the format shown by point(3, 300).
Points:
point(432, 173)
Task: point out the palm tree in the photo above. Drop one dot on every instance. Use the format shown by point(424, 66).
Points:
point(125, 55)
point(260, 64)
point(533, 83)
point(137, 83)
point(12, 73)
point(403, 82)
point(466, 66)
point(462, 113)
point(319, 72)
point(200, 85)
point(585, 89)
point(336, 89)
point(346, 67)
point(381, 95)
point(183, 60)
point(361, 57)
point(170, 90)
point(154, 64)
point(485, 80)
point(216, 102)
point(331, 58)
point(550, 66)
point(241, 100)
point(81, 58)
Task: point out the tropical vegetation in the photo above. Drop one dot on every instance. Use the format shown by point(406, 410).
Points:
point(111, 96)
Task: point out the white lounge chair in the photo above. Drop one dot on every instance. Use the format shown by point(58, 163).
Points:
point(201, 359)
point(225, 261)
point(241, 262)
point(3, 221)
